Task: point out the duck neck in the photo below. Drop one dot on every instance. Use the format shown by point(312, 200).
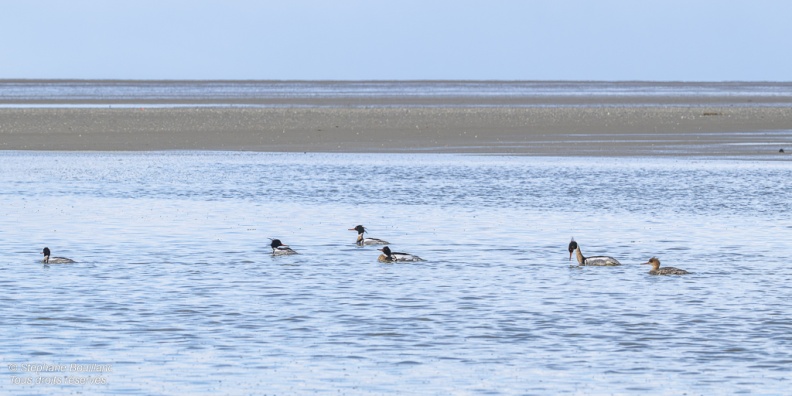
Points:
point(579, 256)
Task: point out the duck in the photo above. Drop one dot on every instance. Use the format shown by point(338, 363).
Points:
point(279, 249)
point(388, 257)
point(594, 260)
point(54, 260)
point(366, 241)
point(572, 247)
point(656, 270)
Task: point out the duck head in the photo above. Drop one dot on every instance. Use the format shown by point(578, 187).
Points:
point(386, 251)
point(276, 243)
point(572, 246)
point(654, 262)
point(359, 228)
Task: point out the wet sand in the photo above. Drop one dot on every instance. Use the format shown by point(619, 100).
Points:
point(591, 130)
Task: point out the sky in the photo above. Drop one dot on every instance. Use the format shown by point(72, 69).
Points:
point(609, 40)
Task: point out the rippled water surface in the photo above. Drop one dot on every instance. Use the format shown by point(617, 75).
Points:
point(176, 291)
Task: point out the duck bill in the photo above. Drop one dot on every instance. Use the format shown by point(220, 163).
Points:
point(570, 256)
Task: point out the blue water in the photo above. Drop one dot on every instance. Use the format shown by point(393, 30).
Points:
point(175, 289)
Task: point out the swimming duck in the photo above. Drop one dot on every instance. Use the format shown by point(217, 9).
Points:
point(388, 257)
point(595, 260)
point(279, 249)
point(572, 247)
point(366, 241)
point(54, 260)
point(656, 270)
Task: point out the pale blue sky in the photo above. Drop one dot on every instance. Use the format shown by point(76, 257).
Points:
point(680, 40)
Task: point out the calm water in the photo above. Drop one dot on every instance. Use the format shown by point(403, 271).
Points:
point(176, 292)
point(88, 93)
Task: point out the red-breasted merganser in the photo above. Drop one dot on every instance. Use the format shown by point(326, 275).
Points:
point(366, 241)
point(572, 247)
point(595, 260)
point(388, 257)
point(54, 260)
point(656, 270)
point(279, 249)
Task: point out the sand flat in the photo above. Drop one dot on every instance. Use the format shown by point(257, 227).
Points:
point(608, 130)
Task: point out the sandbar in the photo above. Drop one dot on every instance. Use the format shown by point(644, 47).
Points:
point(593, 129)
